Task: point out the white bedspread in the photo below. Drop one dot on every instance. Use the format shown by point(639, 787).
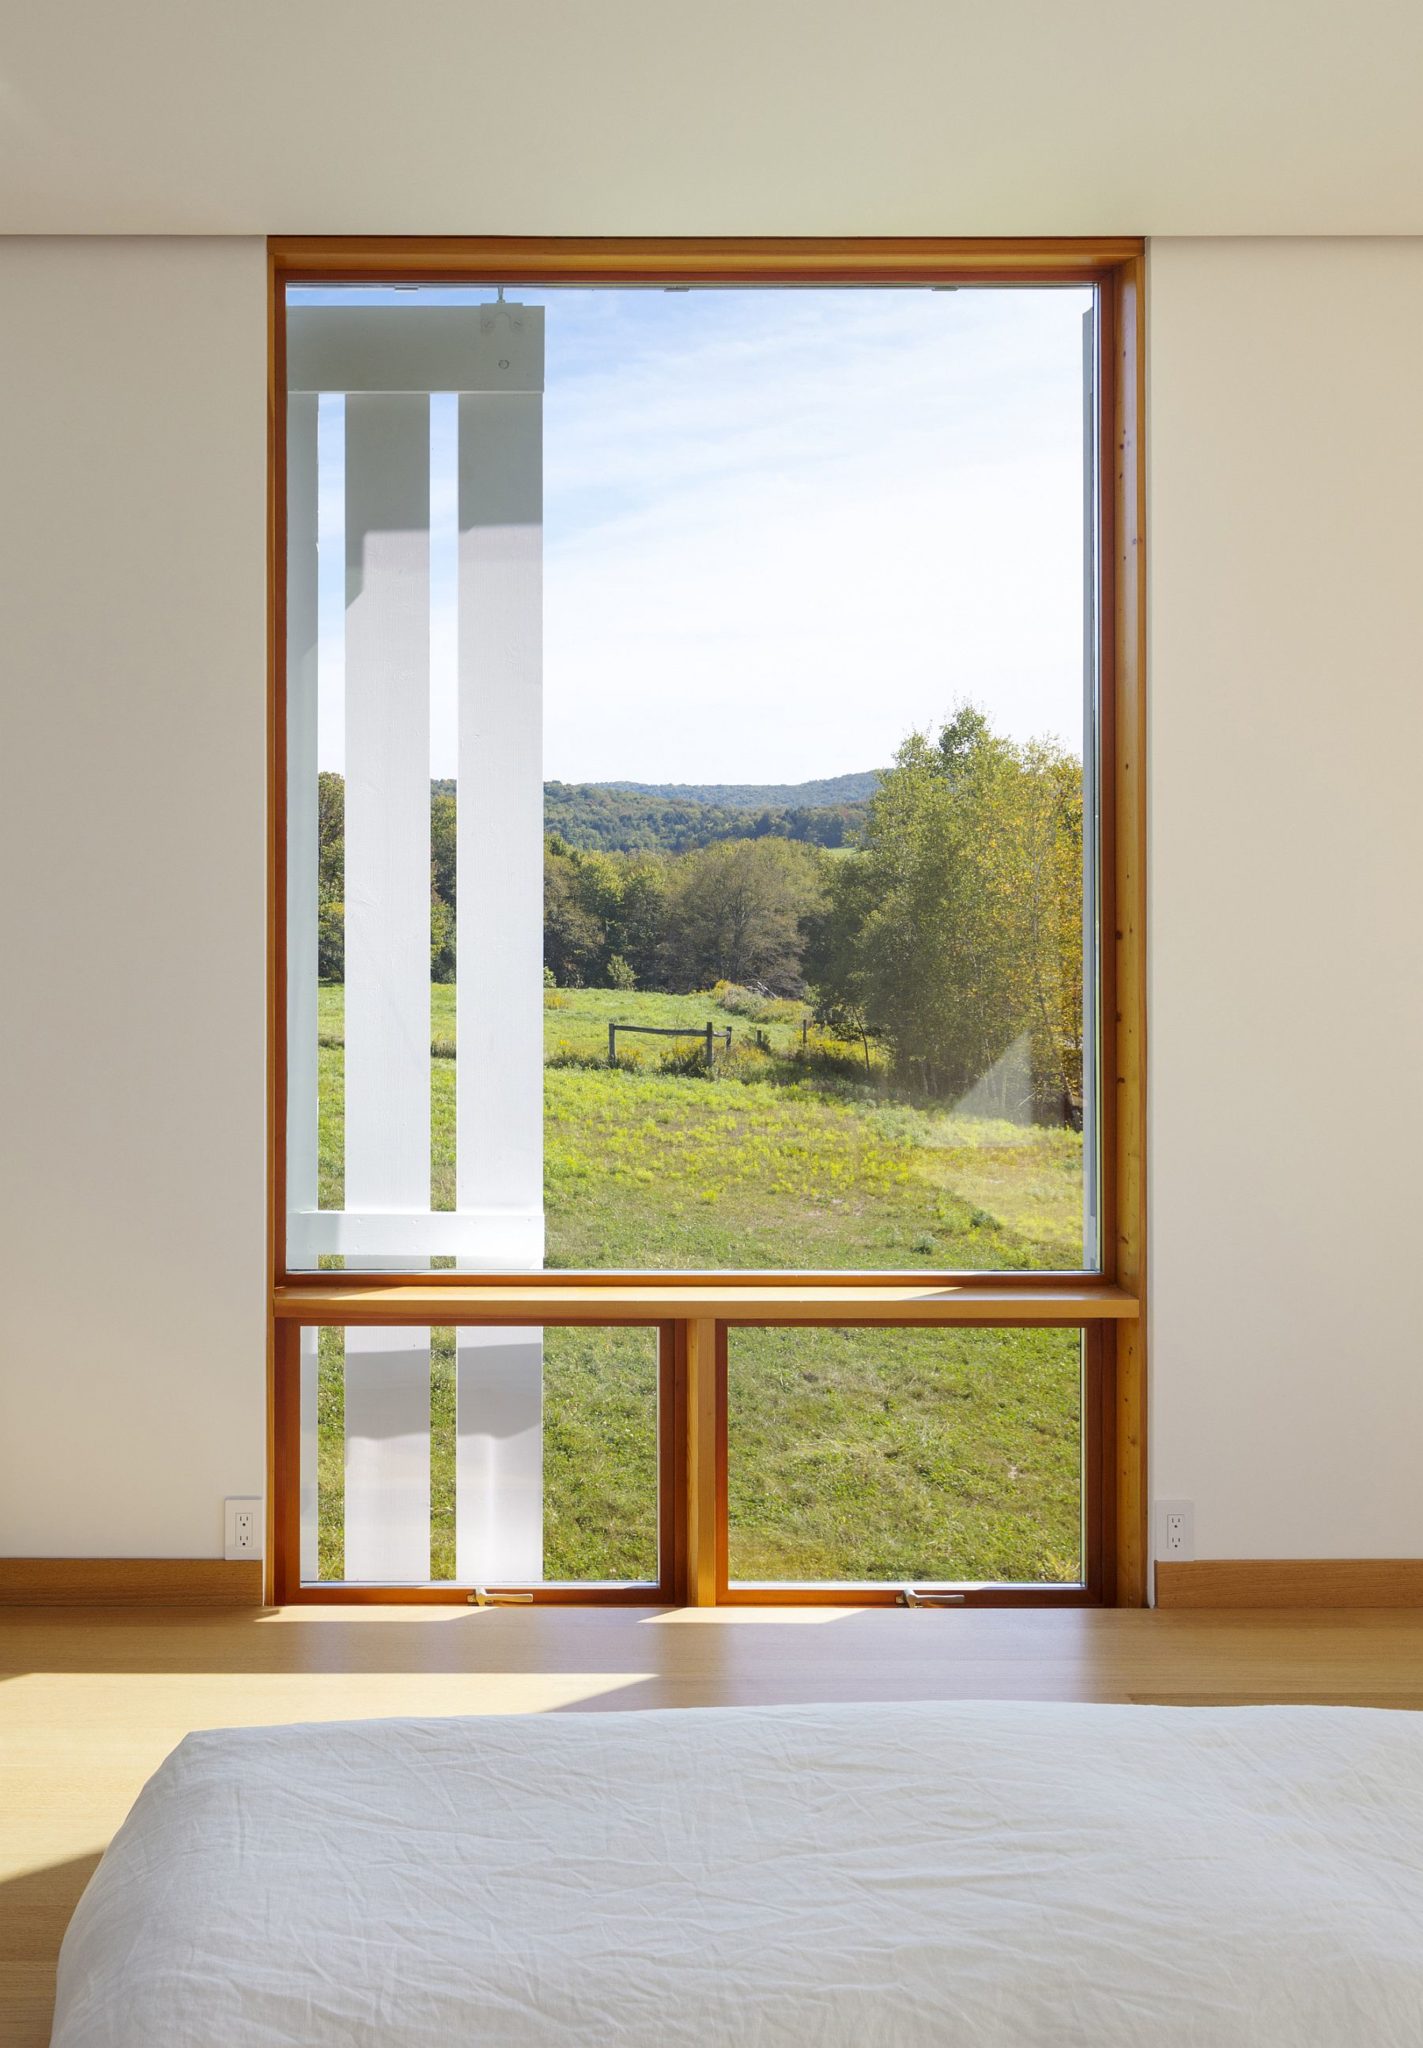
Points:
point(845, 1876)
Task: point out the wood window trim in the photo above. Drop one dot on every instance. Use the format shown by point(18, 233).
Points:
point(284, 1581)
point(710, 1444)
point(698, 1304)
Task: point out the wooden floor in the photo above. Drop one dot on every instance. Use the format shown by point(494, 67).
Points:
point(92, 1701)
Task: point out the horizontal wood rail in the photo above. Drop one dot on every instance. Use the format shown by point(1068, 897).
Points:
point(752, 259)
point(452, 1302)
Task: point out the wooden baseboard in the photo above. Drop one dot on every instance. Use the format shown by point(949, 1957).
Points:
point(129, 1582)
point(1292, 1582)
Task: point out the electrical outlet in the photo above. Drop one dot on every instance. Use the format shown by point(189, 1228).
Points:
point(242, 1529)
point(1175, 1531)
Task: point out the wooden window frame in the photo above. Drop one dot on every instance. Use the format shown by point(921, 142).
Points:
point(287, 1586)
point(693, 1310)
point(1098, 1529)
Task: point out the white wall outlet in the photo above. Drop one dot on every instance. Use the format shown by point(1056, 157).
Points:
point(241, 1528)
point(1175, 1531)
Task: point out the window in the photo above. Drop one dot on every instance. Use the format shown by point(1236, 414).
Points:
point(420, 1462)
point(700, 774)
point(921, 1457)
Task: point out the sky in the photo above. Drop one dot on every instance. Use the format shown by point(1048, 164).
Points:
point(783, 529)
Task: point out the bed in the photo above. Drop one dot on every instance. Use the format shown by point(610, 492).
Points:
point(969, 1874)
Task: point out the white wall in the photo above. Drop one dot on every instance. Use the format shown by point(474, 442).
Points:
point(132, 909)
point(708, 117)
point(1286, 444)
point(1286, 938)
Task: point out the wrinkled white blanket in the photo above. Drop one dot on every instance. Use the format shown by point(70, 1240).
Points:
point(847, 1876)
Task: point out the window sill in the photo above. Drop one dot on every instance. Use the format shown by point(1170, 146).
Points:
point(492, 1301)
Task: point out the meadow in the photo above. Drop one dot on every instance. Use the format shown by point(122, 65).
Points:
point(852, 1454)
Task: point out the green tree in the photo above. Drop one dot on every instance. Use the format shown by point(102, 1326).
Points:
point(736, 912)
point(637, 923)
point(331, 876)
point(574, 939)
point(956, 932)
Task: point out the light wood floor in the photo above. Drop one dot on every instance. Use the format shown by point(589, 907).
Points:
point(92, 1701)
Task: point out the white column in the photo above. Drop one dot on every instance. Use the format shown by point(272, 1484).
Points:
point(387, 1026)
point(302, 850)
point(301, 905)
point(387, 360)
point(499, 1066)
point(1091, 948)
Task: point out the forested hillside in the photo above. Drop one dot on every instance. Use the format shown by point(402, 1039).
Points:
point(755, 796)
point(631, 817)
point(947, 931)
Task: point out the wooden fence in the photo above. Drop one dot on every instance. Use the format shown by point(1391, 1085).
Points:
point(709, 1033)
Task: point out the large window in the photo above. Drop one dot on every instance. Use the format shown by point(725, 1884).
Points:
point(698, 784)
point(700, 727)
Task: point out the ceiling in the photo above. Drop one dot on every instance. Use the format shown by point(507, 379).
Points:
point(1168, 117)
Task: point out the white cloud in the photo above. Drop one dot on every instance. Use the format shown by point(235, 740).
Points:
point(783, 529)
point(797, 534)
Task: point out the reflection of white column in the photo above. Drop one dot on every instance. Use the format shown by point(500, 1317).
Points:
point(499, 1037)
point(499, 1457)
point(309, 1561)
point(387, 1030)
point(301, 906)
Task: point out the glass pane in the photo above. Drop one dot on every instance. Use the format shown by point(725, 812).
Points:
point(600, 1454)
point(905, 1456)
point(692, 713)
point(493, 1457)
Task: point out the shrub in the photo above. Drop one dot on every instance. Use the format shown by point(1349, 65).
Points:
point(752, 1003)
point(591, 1061)
point(620, 974)
point(744, 1060)
point(573, 1056)
point(689, 1058)
point(834, 1059)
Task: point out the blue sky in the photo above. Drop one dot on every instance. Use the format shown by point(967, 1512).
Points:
point(782, 528)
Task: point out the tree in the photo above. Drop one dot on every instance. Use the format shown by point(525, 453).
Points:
point(330, 876)
point(956, 931)
point(735, 912)
point(835, 962)
point(574, 939)
point(637, 924)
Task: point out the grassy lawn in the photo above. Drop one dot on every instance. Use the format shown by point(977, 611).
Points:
point(853, 1454)
point(903, 1454)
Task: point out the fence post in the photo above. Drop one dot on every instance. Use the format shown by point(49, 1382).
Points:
point(804, 1033)
point(612, 1045)
point(710, 1035)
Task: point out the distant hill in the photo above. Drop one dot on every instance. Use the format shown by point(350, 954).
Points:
point(630, 817)
point(754, 796)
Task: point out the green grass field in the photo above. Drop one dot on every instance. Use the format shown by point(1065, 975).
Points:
point(902, 1454)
